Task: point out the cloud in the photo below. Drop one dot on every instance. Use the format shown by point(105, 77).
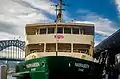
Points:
point(7, 36)
point(117, 2)
point(18, 13)
point(103, 26)
point(99, 38)
point(96, 43)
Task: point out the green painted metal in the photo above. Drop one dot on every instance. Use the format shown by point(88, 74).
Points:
point(52, 66)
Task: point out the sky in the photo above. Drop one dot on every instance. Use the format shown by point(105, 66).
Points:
point(15, 14)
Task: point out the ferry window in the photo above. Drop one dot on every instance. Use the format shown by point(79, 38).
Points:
point(89, 30)
point(59, 30)
point(75, 30)
point(42, 30)
point(67, 30)
point(30, 31)
point(81, 48)
point(51, 30)
point(50, 47)
point(36, 48)
point(64, 47)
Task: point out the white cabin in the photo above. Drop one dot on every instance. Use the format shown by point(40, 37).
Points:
point(61, 39)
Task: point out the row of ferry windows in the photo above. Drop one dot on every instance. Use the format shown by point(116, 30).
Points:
point(61, 47)
point(65, 30)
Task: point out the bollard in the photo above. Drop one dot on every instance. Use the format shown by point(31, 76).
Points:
point(3, 72)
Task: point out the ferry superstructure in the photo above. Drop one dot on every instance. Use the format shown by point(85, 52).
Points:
point(72, 39)
point(59, 50)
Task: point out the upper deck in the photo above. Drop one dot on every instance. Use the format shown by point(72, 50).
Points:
point(72, 33)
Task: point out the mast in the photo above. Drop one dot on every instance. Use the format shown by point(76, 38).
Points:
point(60, 9)
point(58, 19)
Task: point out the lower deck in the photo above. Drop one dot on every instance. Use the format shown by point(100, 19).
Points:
point(58, 67)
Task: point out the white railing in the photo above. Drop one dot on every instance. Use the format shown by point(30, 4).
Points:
point(69, 54)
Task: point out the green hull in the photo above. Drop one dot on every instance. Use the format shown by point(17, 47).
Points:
point(58, 67)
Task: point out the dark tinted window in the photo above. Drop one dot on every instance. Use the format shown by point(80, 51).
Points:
point(59, 30)
point(50, 47)
point(51, 30)
point(62, 47)
point(75, 30)
point(67, 30)
point(89, 31)
point(43, 31)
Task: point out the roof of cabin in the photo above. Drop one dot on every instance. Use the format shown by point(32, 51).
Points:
point(69, 23)
point(112, 44)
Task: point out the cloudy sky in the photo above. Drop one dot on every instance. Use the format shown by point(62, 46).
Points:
point(14, 14)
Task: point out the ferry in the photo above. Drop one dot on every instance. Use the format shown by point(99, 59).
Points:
point(59, 50)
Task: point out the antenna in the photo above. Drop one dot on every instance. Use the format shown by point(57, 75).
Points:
point(60, 11)
point(59, 16)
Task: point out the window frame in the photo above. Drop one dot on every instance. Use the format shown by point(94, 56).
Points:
point(73, 28)
point(53, 29)
point(59, 32)
point(67, 31)
point(45, 29)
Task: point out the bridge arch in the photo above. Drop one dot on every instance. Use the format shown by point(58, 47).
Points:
point(12, 50)
point(7, 43)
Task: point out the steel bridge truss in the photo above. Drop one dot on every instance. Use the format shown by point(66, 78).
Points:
point(12, 50)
